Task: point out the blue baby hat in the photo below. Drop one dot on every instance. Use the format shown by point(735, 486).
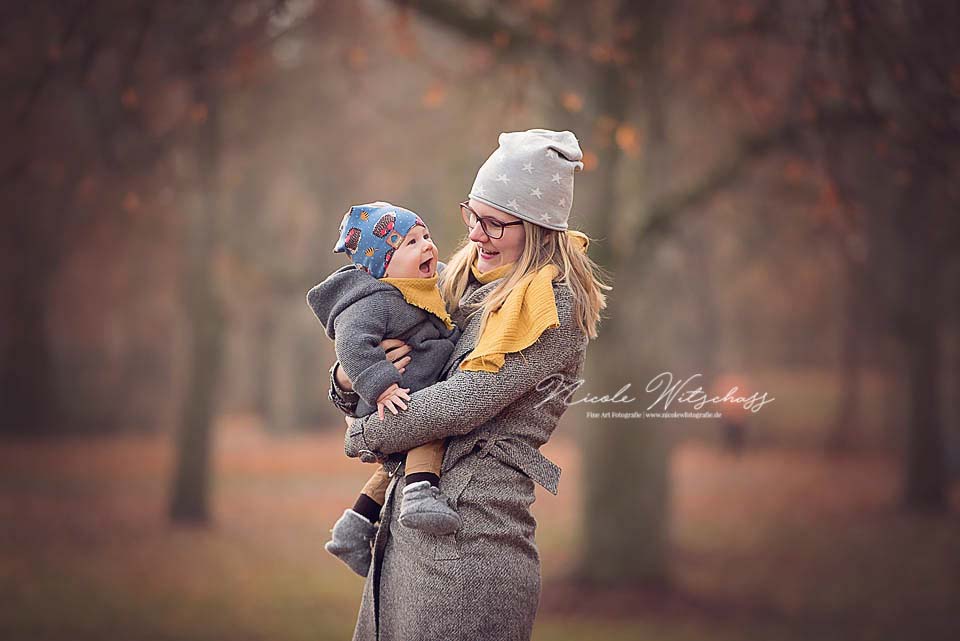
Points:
point(369, 234)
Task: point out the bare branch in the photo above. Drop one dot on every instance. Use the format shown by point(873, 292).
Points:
point(479, 26)
point(666, 213)
point(72, 24)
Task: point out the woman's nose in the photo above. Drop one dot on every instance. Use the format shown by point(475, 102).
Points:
point(476, 234)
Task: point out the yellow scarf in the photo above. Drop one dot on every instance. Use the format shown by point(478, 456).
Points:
point(529, 309)
point(423, 293)
point(492, 275)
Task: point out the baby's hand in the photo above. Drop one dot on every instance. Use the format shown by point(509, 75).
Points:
point(391, 397)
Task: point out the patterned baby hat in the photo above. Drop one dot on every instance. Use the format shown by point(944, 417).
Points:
point(369, 234)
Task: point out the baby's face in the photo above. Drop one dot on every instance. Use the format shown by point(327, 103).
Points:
point(416, 257)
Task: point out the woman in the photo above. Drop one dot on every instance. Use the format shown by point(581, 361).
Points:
point(528, 300)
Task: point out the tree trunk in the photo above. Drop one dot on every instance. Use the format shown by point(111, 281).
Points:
point(924, 486)
point(842, 435)
point(925, 483)
point(925, 469)
point(626, 462)
point(703, 292)
point(31, 248)
point(190, 496)
point(27, 391)
point(626, 468)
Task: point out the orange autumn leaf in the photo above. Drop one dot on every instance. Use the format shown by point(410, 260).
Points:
point(572, 102)
point(794, 171)
point(357, 58)
point(434, 97)
point(601, 53)
point(540, 6)
point(955, 80)
point(199, 113)
point(129, 98)
point(544, 34)
point(131, 202)
point(745, 13)
point(628, 138)
point(590, 161)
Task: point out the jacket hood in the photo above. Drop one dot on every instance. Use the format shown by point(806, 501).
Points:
point(342, 289)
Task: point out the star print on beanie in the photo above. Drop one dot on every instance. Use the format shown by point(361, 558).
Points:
point(530, 175)
point(369, 234)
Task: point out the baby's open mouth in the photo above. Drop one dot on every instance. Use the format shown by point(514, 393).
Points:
point(426, 266)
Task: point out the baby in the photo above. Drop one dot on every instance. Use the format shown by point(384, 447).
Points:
point(390, 291)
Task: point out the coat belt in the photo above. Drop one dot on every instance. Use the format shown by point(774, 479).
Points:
point(392, 464)
point(510, 450)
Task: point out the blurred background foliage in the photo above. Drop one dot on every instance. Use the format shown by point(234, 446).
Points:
point(773, 187)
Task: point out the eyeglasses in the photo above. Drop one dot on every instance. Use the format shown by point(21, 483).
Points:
point(491, 226)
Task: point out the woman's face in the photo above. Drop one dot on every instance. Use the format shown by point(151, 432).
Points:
point(494, 252)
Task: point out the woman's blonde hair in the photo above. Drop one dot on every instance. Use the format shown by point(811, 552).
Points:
point(583, 277)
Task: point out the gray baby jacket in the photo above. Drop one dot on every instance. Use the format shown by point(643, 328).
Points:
point(358, 311)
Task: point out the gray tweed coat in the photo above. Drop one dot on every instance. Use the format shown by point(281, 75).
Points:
point(483, 582)
point(357, 312)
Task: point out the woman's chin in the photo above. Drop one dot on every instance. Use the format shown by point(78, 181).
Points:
point(487, 264)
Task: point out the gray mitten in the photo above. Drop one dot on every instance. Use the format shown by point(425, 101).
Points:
point(352, 537)
point(426, 509)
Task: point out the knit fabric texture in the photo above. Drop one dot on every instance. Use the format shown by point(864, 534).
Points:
point(530, 175)
point(494, 274)
point(483, 582)
point(369, 234)
point(358, 312)
point(422, 293)
point(529, 309)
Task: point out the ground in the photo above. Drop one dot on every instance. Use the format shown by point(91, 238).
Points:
point(776, 544)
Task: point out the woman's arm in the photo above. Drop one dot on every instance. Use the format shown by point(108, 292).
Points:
point(467, 399)
point(341, 379)
point(341, 391)
point(343, 397)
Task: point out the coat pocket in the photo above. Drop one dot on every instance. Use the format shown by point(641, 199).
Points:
point(452, 485)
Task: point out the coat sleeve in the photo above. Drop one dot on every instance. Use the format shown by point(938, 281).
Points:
point(467, 400)
point(359, 330)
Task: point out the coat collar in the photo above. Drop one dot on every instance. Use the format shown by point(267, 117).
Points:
point(476, 291)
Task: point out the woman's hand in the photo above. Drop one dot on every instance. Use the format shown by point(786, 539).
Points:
point(397, 353)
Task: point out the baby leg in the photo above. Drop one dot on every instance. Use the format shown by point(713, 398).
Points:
point(371, 498)
point(355, 530)
point(424, 507)
point(423, 463)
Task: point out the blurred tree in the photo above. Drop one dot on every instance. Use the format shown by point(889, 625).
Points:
point(611, 49)
point(189, 500)
point(140, 104)
point(36, 226)
point(898, 67)
point(623, 54)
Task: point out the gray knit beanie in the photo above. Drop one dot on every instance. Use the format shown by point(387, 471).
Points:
point(531, 176)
